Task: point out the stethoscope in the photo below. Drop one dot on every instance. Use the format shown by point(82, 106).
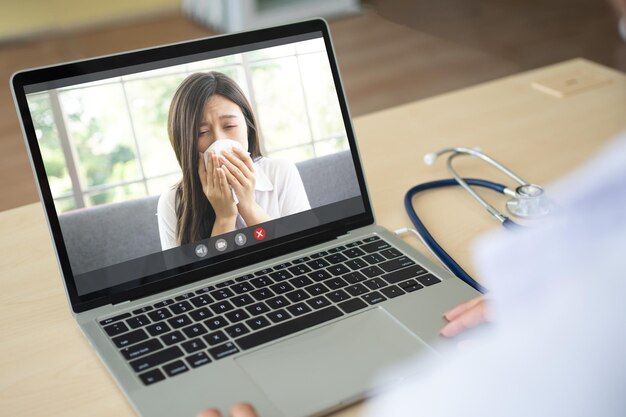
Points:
point(529, 201)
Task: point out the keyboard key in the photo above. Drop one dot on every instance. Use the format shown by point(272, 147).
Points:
point(237, 315)
point(375, 246)
point(371, 238)
point(198, 359)
point(372, 271)
point(163, 303)
point(172, 338)
point(221, 294)
point(205, 289)
point(258, 308)
point(278, 302)
point(184, 296)
point(408, 283)
point(356, 289)
point(216, 322)
point(194, 345)
point(353, 253)
point(281, 275)
point(142, 310)
point(289, 327)
point(194, 330)
point(300, 282)
point(130, 338)
point(297, 295)
point(116, 328)
point(319, 255)
point(278, 315)
point(201, 300)
point(282, 287)
point(355, 264)
point(335, 283)
point(352, 244)
point(337, 249)
point(375, 283)
point(262, 294)
point(138, 321)
point(336, 258)
point(215, 338)
point(338, 296)
point(141, 349)
point(391, 253)
point(428, 279)
point(299, 309)
point(237, 330)
point(392, 291)
point(299, 269)
point(201, 314)
point(258, 323)
point(374, 259)
point(300, 260)
point(242, 300)
point(403, 274)
point(413, 288)
point(397, 263)
point(181, 307)
point(157, 358)
point(224, 350)
point(265, 271)
point(317, 264)
point(160, 314)
point(319, 275)
point(354, 277)
point(221, 307)
point(175, 368)
point(262, 282)
point(284, 265)
point(352, 305)
point(242, 287)
point(180, 321)
point(158, 328)
point(226, 283)
point(152, 377)
point(316, 289)
point(338, 269)
point(246, 277)
point(318, 302)
point(374, 297)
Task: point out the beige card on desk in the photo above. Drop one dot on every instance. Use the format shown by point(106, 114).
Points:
point(570, 83)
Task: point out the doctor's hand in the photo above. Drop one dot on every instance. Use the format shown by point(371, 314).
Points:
point(216, 189)
point(239, 172)
point(238, 410)
point(466, 316)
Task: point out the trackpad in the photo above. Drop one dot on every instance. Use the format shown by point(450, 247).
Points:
point(324, 367)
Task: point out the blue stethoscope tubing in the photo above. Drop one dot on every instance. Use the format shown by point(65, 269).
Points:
point(428, 239)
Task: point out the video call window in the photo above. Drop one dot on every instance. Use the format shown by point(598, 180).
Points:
point(106, 141)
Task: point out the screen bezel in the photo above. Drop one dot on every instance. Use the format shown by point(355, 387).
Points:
point(204, 268)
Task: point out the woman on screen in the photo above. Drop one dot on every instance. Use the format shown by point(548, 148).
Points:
point(228, 190)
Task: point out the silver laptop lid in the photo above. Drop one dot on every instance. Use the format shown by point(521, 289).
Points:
point(117, 144)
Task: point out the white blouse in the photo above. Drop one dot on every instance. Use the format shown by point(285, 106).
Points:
point(279, 191)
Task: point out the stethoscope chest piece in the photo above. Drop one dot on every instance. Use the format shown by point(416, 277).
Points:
point(530, 201)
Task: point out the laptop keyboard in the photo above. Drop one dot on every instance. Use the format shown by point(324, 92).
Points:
point(172, 336)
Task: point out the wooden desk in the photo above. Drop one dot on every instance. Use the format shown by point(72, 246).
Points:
point(48, 368)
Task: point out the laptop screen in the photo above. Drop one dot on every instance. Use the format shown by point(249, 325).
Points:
point(192, 159)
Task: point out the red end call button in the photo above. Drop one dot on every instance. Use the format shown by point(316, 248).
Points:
point(259, 233)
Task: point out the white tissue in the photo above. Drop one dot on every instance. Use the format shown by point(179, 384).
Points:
point(218, 147)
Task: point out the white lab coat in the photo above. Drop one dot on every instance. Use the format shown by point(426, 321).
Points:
point(559, 300)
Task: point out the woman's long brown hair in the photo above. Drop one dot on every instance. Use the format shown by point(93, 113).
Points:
point(194, 214)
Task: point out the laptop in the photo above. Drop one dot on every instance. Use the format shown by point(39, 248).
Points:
point(297, 313)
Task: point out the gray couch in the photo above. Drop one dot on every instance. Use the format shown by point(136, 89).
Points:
point(113, 233)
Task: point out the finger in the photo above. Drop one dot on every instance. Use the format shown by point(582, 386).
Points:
point(223, 183)
point(231, 179)
point(467, 320)
point(209, 412)
point(234, 171)
point(243, 410)
point(461, 308)
point(202, 171)
point(245, 157)
point(214, 170)
point(232, 158)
